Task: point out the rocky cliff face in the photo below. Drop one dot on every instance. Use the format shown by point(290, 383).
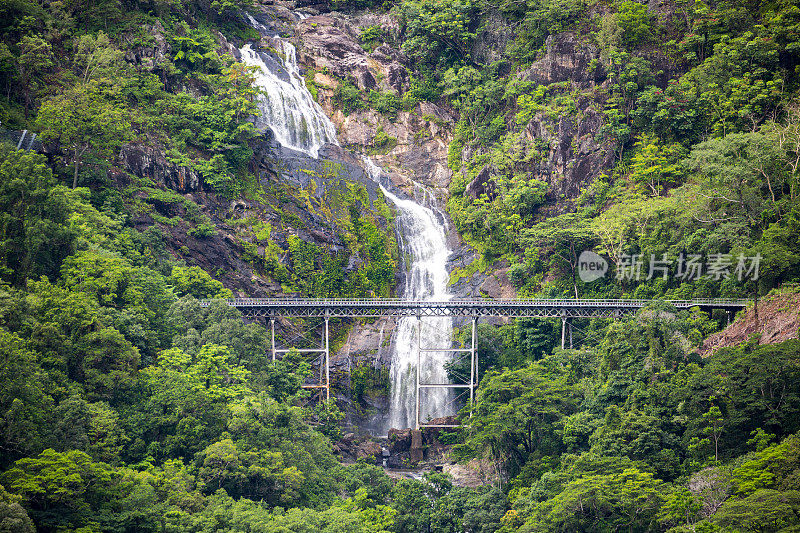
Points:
point(417, 150)
point(577, 153)
point(572, 153)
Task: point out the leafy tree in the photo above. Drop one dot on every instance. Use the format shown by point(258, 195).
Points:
point(518, 414)
point(24, 406)
point(258, 475)
point(34, 235)
point(438, 31)
point(108, 364)
point(654, 166)
point(260, 424)
point(629, 500)
point(754, 386)
point(191, 394)
point(83, 119)
point(773, 467)
point(347, 97)
point(63, 489)
point(743, 171)
point(715, 424)
point(363, 475)
point(641, 437)
point(564, 237)
point(680, 508)
point(197, 282)
point(35, 60)
point(635, 21)
point(619, 226)
point(765, 510)
point(96, 57)
point(13, 518)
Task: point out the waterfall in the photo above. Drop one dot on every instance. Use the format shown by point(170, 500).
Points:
point(286, 105)
point(298, 122)
point(423, 240)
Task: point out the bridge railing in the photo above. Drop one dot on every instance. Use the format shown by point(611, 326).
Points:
point(476, 302)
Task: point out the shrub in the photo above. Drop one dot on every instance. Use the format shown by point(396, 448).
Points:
point(348, 98)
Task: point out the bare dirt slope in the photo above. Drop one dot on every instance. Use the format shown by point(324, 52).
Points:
point(777, 320)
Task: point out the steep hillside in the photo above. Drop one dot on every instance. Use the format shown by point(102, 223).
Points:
point(777, 319)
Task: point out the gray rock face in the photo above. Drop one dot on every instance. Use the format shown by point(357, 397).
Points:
point(149, 162)
point(575, 157)
point(493, 37)
point(481, 185)
point(420, 155)
point(151, 57)
point(328, 44)
point(566, 59)
point(368, 450)
point(575, 154)
point(394, 64)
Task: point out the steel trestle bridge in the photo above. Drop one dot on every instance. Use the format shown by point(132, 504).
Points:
point(474, 309)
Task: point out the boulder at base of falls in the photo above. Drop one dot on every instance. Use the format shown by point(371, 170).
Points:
point(399, 440)
point(369, 450)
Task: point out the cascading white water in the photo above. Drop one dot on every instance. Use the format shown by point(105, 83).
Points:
point(424, 242)
point(287, 106)
point(298, 122)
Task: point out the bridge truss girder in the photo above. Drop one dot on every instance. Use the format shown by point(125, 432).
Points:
point(333, 312)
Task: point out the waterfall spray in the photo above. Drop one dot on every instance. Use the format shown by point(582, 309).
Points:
point(286, 105)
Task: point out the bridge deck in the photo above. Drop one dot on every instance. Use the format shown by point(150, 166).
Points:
point(543, 308)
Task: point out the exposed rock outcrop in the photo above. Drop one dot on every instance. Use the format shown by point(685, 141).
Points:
point(566, 59)
point(414, 142)
point(574, 156)
point(497, 285)
point(153, 56)
point(330, 44)
point(482, 184)
point(493, 37)
point(149, 162)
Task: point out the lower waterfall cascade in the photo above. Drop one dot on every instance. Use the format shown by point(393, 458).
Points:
point(423, 239)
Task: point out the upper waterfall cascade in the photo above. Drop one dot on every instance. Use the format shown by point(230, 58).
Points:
point(298, 122)
point(286, 105)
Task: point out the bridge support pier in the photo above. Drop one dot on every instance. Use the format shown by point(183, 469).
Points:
point(272, 327)
point(327, 360)
point(473, 363)
point(473, 373)
point(324, 352)
point(566, 325)
point(419, 363)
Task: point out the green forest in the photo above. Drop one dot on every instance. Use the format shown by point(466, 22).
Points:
point(125, 406)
